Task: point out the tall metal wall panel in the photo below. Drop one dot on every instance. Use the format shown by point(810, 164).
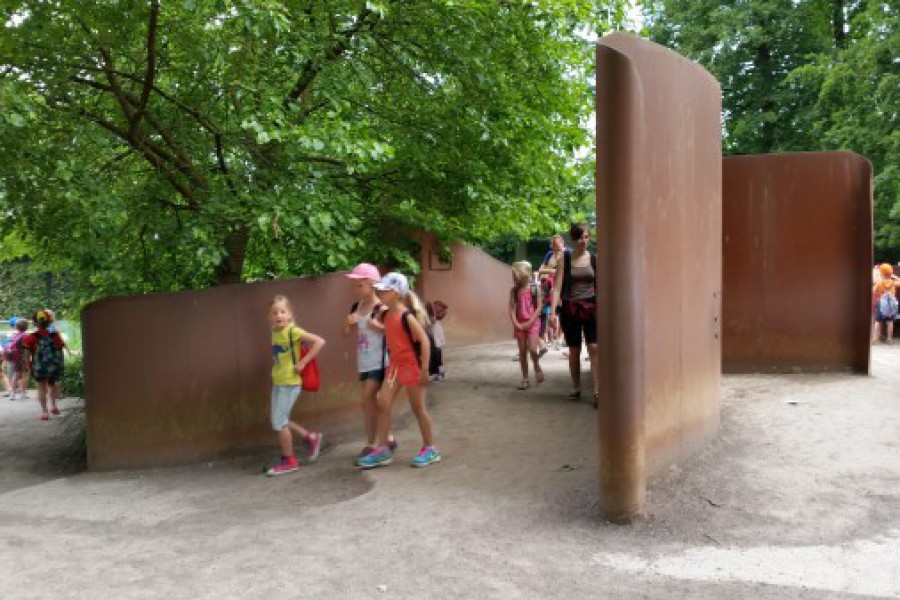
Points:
point(659, 239)
point(797, 262)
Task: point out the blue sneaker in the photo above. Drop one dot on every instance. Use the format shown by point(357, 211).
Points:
point(427, 455)
point(379, 457)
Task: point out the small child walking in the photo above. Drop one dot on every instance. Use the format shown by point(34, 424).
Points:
point(404, 328)
point(436, 310)
point(287, 365)
point(16, 358)
point(371, 350)
point(45, 348)
point(525, 300)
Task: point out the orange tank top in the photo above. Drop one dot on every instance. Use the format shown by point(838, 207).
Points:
point(398, 342)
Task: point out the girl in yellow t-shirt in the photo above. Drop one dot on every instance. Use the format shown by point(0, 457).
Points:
point(287, 364)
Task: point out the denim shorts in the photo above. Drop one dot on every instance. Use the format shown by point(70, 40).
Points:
point(377, 375)
point(283, 398)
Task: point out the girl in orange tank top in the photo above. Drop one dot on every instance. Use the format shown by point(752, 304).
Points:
point(409, 348)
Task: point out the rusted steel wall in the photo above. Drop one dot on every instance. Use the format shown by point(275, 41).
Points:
point(182, 377)
point(474, 285)
point(797, 262)
point(659, 228)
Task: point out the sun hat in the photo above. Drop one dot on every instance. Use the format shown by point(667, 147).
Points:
point(394, 282)
point(364, 271)
point(886, 269)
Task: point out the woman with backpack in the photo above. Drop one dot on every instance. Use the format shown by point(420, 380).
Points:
point(576, 291)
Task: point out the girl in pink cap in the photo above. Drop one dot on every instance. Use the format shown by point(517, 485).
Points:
point(366, 318)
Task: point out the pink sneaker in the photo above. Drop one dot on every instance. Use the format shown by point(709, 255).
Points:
point(55, 410)
point(288, 465)
point(45, 416)
point(314, 439)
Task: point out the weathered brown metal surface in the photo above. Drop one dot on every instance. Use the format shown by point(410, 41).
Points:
point(797, 262)
point(474, 285)
point(177, 378)
point(659, 254)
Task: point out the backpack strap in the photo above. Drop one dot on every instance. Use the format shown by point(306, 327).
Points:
point(291, 344)
point(416, 345)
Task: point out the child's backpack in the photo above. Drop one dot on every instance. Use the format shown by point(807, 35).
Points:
point(310, 373)
point(48, 357)
point(12, 350)
point(433, 369)
point(888, 306)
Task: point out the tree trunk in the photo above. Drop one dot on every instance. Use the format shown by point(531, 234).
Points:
point(232, 266)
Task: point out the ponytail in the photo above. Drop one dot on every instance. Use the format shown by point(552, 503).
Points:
point(413, 303)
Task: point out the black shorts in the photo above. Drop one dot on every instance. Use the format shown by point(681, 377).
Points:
point(578, 324)
point(377, 375)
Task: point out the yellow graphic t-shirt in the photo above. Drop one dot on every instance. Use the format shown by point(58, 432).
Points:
point(283, 372)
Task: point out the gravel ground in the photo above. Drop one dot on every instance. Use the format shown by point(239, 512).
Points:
point(798, 497)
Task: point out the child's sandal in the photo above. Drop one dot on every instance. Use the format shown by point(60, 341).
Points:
point(539, 376)
point(525, 384)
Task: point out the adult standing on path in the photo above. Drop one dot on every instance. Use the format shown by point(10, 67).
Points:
point(576, 289)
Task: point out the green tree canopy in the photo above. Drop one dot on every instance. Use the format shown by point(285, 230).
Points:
point(802, 75)
point(159, 146)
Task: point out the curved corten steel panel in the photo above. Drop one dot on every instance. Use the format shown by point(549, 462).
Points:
point(659, 249)
point(474, 285)
point(798, 260)
point(182, 377)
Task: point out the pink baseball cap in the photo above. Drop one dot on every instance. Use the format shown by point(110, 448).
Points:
point(364, 271)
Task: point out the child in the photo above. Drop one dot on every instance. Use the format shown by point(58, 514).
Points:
point(46, 351)
point(371, 351)
point(525, 300)
point(6, 373)
point(436, 312)
point(18, 367)
point(409, 347)
point(287, 365)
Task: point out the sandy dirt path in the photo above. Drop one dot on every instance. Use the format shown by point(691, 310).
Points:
point(798, 497)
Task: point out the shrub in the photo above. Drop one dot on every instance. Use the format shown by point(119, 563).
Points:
point(73, 378)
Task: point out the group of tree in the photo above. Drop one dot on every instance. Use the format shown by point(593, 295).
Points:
point(802, 75)
point(155, 145)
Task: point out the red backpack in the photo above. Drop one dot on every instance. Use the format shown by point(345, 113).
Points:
point(310, 373)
